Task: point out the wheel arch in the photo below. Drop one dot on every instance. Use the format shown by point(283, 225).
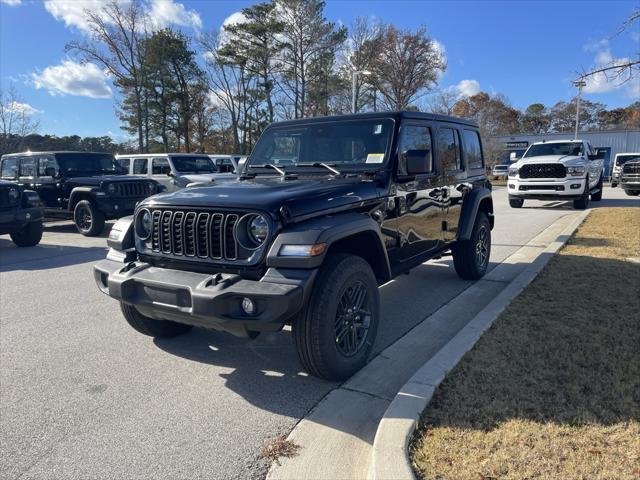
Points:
point(477, 200)
point(78, 194)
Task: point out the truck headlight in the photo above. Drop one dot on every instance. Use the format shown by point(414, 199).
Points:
point(513, 171)
point(144, 224)
point(576, 171)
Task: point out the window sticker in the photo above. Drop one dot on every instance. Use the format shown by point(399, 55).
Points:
point(377, 130)
point(375, 158)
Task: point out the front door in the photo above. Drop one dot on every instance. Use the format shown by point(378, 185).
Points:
point(419, 199)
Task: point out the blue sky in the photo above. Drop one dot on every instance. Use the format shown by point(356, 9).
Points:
point(526, 50)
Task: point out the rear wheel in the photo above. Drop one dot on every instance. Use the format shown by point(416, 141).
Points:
point(334, 335)
point(596, 197)
point(29, 235)
point(151, 326)
point(516, 202)
point(583, 202)
point(471, 257)
point(88, 219)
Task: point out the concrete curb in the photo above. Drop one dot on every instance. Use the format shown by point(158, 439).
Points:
point(390, 453)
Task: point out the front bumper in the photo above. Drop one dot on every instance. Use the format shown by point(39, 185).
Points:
point(114, 207)
point(568, 188)
point(630, 181)
point(16, 219)
point(206, 300)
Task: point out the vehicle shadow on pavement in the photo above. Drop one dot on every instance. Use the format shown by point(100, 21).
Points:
point(69, 227)
point(605, 202)
point(45, 256)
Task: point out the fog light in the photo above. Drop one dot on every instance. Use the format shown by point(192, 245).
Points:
point(575, 186)
point(511, 185)
point(248, 306)
point(559, 188)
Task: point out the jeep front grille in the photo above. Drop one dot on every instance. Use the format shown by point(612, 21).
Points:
point(196, 234)
point(131, 189)
point(543, 170)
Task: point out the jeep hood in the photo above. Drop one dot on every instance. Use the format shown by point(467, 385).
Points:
point(206, 177)
point(561, 159)
point(96, 181)
point(302, 196)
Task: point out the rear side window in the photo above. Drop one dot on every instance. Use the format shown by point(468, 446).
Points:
point(472, 149)
point(140, 166)
point(160, 166)
point(449, 149)
point(47, 167)
point(414, 137)
point(9, 168)
point(28, 167)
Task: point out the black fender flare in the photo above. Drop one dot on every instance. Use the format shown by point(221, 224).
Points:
point(80, 191)
point(470, 208)
point(329, 230)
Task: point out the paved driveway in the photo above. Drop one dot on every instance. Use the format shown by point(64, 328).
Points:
point(84, 396)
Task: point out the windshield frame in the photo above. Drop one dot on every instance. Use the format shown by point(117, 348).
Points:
point(568, 142)
point(63, 164)
point(306, 165)
point(178, 158)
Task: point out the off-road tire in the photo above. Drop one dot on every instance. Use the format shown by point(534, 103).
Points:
point(314, 329)
point(596, 197)
point(516, 202)
point(583, 202)
point(151, 326)
point(471, 257)
point(29, 236)
point(632, 193)
point(91, 226)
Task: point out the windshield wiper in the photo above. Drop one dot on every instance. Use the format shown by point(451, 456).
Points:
point(335, 171)
point(272, 167)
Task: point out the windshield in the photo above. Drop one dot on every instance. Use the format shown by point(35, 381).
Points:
point(504, 158)
point(622, 159)
point(77, 164)
point(341, 143)
point(566, 148)
point(193, 164)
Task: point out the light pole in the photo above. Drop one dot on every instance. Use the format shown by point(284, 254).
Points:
point(354, 82)
point(579, 84)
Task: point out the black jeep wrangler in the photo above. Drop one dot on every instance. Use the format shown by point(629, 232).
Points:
point(87, 187)
point(324, 211)
point(20, 214)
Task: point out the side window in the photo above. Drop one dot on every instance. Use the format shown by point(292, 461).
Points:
point(414, 137)
point(160, 166)
point(47, 167)
point(124, 163)
point(140, 166)
point(472, 149)
point(449, 149)
point(9, 169)
point(28, 167)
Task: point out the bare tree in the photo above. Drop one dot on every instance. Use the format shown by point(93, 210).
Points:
point(442, 101)
point(16, 121)
point(116, 43)
point(406, 66)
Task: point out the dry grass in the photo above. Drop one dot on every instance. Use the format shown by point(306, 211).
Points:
point(498, 181)
point(279, 447)
point(552, 390)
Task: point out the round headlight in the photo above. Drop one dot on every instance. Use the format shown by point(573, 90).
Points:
point(258, 229)
point(144, 224)
point(111, 188)
point(151, 187)
point(13, 194)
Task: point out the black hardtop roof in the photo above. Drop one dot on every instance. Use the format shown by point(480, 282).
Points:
point(53, 152)
point(396, 115)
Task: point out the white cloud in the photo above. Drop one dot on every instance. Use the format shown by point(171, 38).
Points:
point(22, 108)
point(72, 12)
point(604, 82)
point(468, 88)
point(72, 78)
point(233, 19)
point(11, 3)
point(168, 12)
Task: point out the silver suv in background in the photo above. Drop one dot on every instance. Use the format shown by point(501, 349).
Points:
point(618, 163)
point(174, 170)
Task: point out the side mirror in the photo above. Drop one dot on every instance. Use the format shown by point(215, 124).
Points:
point(593, 157)
point(167, 171)
point(418, 161)
point(50, 172)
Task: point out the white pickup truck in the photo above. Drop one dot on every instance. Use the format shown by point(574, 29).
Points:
point(557, 170)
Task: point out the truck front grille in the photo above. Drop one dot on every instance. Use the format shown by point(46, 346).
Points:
point(543, 170)
point(196, 234)
point(131, 189)
point(631, 168)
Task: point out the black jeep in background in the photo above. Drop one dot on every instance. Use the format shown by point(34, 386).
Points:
point(20, 214)
point(87, 187)
point(324, 211)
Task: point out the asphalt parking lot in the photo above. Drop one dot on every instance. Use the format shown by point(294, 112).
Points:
point(82, 395)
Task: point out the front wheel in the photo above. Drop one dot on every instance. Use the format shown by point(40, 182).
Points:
point(334, 335)
point(583, 202)
point(29, 236)
point(88, 219)
point(471, 257)
point(151, 326)
point(516, 202)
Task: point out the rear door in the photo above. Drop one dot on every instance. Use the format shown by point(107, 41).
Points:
point(449, 154)
point(48, 185)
